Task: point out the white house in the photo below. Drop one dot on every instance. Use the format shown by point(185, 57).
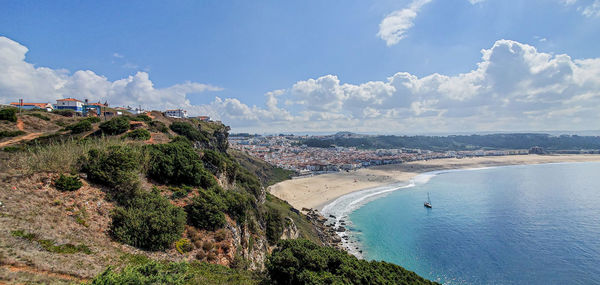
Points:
point(178, 113)
point(69, 103)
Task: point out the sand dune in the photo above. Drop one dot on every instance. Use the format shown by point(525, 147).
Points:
point(317, 191)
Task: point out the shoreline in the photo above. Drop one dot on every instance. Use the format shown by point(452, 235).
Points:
point(316, 192)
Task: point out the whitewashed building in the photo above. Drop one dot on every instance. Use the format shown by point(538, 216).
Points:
point(178, 113)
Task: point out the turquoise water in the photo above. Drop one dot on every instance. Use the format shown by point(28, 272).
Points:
point(535, 224)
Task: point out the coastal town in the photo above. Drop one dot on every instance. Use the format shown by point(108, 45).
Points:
point(288, 152)
point(86, 108)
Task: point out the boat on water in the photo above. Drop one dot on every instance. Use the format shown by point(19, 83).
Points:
point(427, 203)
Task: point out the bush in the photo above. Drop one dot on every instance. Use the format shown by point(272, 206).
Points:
point(177, 163)
point(183, 245)
point(148, 222)
point(39, 116)
point(80, 127)
point(304, 262)
point(142, 117)
point(115, 126)
point(10, 134)
point(64, 112)
point(158, 126)
point(189, 131)
point(275, 224)
point(67, 183)
point(116, 167)
point(93, 120)
point(206, 211)
point(9, 114)
point(139, 134)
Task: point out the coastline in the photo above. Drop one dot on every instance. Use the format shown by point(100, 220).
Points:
point(318, 191)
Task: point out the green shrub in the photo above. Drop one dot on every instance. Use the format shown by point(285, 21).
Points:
point(138, 134)
point(183, 245)
point(189, 131)
point(177, 163)
point(158, 126)
point(303, 262)
point(64, 112)
point(116, 167)
point(39, 116)
point(8, 114)
point(10, 134)
point(115, 126)
point(149, 222)
point(275, 223)
point(67, 183)
point(180, 192)
point(154, 272)
point(50, 245)
point(80, 127)
point(13, 149)
point(93, 120)
point(206, 211)
point(142, 117)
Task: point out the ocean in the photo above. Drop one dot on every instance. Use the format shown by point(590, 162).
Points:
point(526, 224)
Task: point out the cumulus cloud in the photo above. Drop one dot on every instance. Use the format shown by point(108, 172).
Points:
point(394, 26)
point(514, 87)
point(592, 10)
point(20, 79)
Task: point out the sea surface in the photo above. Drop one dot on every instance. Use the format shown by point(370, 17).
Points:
point(528, 224)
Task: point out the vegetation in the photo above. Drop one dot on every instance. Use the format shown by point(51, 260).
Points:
point(8, 114)
point(153, 272)
point(189, 131)
point(206, 211)
point(64, 112)
point(50, 245)
point(266, 173)
point(143, 118)
point(275, 222)
point(463, 142)
point(116, 167)
point(80, 127)
point(303, 262)
point(67, 183)
point(148, 221)
point(115, 126)
point(177, 163)
point(138, 134)
point(39, 116)
point(158, 126)
point(10, 134)
point(93, 120)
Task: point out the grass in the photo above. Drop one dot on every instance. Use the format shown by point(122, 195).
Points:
point(50, 245)
point(10, 134)
point(38, 115)
point(58, 156)
point(304, 227)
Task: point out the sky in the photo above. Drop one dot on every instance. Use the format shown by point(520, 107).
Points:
point(387, 66)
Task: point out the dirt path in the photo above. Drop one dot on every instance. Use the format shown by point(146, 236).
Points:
point(39, 272)
point(20, 139)
point(20, 124)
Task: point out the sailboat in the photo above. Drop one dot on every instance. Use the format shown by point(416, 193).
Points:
point(427, 204)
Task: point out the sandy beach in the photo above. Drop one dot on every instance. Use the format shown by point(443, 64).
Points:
point(318, 191)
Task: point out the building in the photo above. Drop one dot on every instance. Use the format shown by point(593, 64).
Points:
point(70, 104)
point(178, 113)
point(93, 109)
point(28, 106)
point(203, 118)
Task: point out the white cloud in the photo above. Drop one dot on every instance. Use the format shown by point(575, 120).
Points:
point(394, 26)
point(514, 87)
point(479, 1)
point(20, 79)
point(592, 10)
point(118, 55)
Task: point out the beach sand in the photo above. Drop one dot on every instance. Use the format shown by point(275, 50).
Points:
point(318, 191)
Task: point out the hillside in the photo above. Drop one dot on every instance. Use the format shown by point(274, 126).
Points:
point(142, 199)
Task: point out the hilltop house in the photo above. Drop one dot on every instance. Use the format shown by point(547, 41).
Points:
point(178, 113)
point(69, 103)
point(28, 106)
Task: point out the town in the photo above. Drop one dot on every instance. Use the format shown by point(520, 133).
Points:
point(86, 108)
point(288, 152)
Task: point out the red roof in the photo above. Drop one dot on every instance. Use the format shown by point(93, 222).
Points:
point(41, 105)
point(68, 99)
point(97, 104)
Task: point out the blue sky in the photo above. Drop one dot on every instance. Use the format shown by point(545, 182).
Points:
point(190, 52)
